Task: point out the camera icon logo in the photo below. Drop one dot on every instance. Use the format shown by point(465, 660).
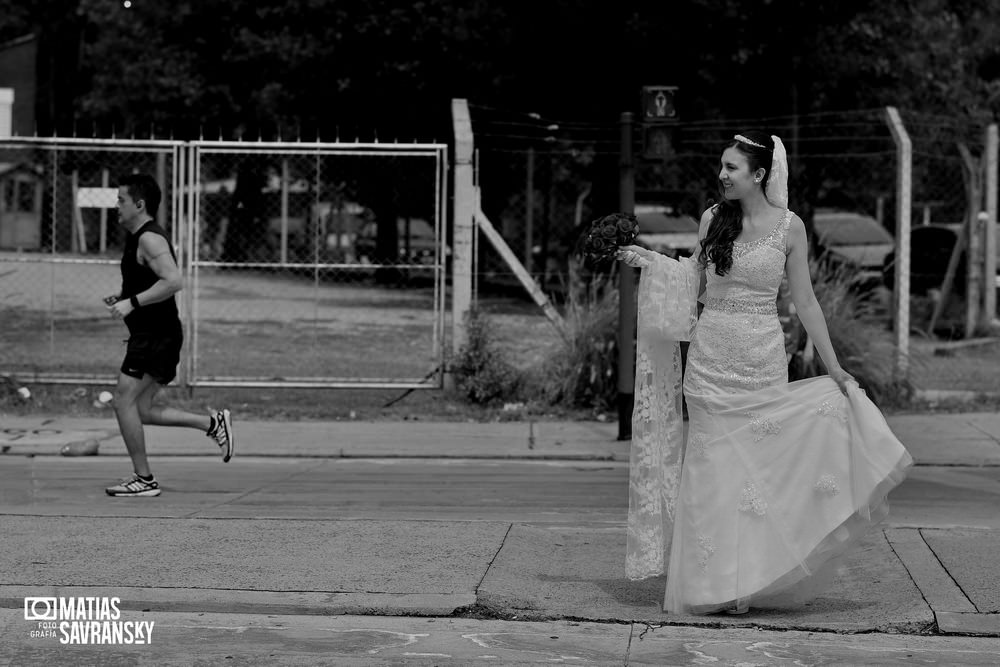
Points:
point(40, 609)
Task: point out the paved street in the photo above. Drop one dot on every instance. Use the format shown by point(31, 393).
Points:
point(316, 553)
point(256, 639)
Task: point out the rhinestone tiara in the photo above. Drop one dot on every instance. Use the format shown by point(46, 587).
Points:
point(740, 137)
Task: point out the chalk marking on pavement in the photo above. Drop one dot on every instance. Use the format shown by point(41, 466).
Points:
point(410, 637)
point(498, 643)
point(239, 629)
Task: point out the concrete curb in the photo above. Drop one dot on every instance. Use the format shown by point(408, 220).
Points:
point(971, 624)
point(220, 601)
point(971, 439)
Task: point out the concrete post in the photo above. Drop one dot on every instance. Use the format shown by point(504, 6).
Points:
point(989, 312)
point(462, 228)
point(6, 111)
point(904, 198)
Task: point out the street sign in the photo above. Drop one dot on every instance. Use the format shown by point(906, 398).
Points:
point(659, 118)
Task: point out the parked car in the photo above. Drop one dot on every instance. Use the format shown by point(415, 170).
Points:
point(664, 230)
point(855, 241)
point(417, 242)
point(930, 251)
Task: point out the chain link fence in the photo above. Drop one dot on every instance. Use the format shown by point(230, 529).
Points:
point(949, 156)
point(311, 266)
point(326, 263)
point(545, 179)
point(946, 190)
point(60, 247)
point(537, 182)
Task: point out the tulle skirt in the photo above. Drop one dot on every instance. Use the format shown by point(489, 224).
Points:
point(776, 483)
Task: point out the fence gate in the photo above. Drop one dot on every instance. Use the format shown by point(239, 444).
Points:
point(60, 248)
point(315, 265)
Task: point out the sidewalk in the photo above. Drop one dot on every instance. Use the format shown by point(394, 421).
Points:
point(277, 509)
point(971, 439)
point(350, 439)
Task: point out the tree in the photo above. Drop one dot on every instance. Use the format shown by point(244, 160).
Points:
point(354, 67)
point(241, 68)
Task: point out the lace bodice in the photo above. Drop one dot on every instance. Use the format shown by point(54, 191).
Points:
point(752, 283)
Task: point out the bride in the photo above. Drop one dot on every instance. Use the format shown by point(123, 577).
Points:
point(773, 480)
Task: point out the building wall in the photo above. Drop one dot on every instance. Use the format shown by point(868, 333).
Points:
point(18, 71)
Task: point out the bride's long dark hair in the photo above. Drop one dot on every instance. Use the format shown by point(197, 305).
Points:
point(727, 216)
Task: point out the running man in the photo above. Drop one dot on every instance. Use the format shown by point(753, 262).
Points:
point(150, 279)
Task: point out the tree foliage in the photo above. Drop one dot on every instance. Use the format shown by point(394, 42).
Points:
point(302, 67)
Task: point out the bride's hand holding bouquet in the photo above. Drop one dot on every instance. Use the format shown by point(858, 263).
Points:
point(608, 237)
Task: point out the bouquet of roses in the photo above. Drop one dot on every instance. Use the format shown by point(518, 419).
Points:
point(606, 235)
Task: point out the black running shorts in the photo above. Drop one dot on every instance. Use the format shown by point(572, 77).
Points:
point(153, 354)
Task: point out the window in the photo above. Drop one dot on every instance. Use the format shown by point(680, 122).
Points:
point(25, 196)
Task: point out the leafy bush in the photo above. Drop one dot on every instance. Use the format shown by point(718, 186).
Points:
point(483, 374)
point(862, 343)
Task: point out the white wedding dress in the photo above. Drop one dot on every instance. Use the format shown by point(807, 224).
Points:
point(773, 480)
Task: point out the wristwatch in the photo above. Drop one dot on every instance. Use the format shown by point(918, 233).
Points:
point(134, 301)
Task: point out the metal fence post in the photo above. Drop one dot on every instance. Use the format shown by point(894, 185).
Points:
point(529, 210)
point(184, 187)
point(462, 230)
point(904, 196)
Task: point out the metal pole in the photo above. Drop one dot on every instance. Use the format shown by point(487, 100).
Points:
point(182, 246)
point(161, 180)
point(193, 177)
point(284, 211)
point(103, 242)
point(626, 290)
point(529, 215)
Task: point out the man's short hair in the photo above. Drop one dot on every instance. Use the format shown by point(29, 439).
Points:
point(144, 187)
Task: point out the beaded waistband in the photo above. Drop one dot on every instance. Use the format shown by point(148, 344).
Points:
point(741, 306)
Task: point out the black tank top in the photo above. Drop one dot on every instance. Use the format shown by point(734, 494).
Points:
point(154, 318)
